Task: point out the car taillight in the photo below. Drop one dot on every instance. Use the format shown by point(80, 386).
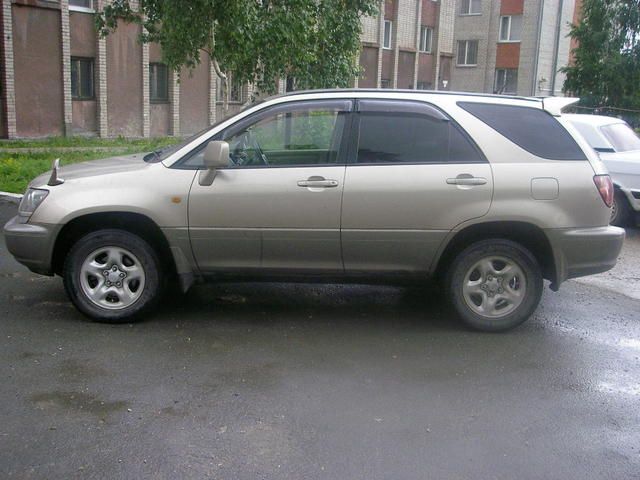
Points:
point(605, 187)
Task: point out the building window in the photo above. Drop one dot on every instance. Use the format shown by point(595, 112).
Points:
point(388, 29)
point(468, 53)
point(506, 81)
point(82, 78)
point(471, 7)
point(511, 28)
point(158, 83)
point(426, 38)
point(81, 5)
point(235, 90)
point(423, 86)
point(385, 83)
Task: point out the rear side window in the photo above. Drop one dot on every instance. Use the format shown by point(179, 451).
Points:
point(390, 132)
point(532, 129)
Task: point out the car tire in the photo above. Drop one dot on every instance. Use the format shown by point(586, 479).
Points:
point(113, 276)
point(494, 285)
point(620, 211)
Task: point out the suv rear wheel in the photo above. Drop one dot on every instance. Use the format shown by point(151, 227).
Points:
point(112, 276)
point(495, 285)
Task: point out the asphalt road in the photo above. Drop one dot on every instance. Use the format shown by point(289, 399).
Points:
point(281, 381)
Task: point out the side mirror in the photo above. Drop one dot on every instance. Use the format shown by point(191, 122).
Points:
point(216, 155)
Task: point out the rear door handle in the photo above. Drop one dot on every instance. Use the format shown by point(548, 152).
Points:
point(460, 180)
point(318, 182)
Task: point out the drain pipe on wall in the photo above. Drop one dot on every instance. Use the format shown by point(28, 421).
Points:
point(556, 48)
point(534, 86)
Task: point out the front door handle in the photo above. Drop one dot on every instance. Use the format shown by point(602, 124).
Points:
point(318, 182)
point(466, 179)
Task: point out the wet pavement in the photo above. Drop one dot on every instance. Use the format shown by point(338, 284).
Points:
point(319, 382)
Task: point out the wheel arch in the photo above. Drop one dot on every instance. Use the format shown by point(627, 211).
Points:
point(526, 234)
point(135, 223)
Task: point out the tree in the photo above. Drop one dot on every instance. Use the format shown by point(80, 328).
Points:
point(260, 41)
point(606, 67)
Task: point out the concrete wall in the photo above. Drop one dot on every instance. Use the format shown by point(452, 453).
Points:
point(194, 87)
point(369, 64)
point(38, 70)
point(124, 81)
point(406, 63)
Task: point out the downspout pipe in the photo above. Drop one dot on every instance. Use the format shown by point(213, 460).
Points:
point(556, 48)
point(534, 86)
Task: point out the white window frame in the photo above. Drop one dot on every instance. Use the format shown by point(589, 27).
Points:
point(75, 8)
point(384, 45)
point(469, 10)
point(466, 53)
point(426, 39)
point(508, 38)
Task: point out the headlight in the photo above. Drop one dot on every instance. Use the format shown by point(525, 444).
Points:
point(30, 201)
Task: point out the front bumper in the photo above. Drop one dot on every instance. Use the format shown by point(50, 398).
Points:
point(584, 251)
point(31, 244)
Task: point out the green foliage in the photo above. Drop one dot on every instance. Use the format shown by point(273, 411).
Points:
point(315, 41)
point(606, 70)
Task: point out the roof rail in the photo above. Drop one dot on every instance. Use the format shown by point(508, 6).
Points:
point(400, 90)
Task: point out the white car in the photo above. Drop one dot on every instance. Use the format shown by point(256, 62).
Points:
point(619, 148)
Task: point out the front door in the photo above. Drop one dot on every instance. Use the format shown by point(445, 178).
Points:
point(277, 205)
point(413, 176)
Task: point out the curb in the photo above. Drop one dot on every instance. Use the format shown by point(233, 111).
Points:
point(10, 197)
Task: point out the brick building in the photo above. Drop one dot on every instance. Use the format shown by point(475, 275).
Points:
point(512, 46)
point(57, 77)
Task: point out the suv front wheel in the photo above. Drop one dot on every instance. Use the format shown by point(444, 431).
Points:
point(495, 285)
point(112, 276)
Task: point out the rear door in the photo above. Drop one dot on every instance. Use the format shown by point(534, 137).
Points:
point(413, 175)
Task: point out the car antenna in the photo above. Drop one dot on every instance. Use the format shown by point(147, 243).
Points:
point(54, 179)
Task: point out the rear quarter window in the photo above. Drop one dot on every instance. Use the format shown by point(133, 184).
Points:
point(532, 129)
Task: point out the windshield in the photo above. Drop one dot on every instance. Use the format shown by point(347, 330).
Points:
point(621, 136)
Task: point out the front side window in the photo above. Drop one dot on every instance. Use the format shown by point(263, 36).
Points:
point(389, 137)
point(158, 83)
point(471, 7)
point(621, 137)
point(506, 81)
point(300, 135)
point(467, 53)
point(388, 28)
point(511, 28)
point(82, 78)
point(426, 39)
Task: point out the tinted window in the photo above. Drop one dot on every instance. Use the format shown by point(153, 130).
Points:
point(532, 129)
point(621, 137)
point(393, 137)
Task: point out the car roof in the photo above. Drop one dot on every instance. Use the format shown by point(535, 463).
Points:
point(396, 91)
